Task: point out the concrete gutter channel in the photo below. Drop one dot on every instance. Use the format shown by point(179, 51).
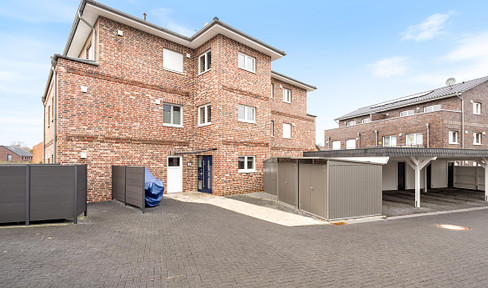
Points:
point(266, 207)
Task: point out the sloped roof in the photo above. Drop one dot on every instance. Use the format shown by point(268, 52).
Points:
point(429, 95)
point(19, 151)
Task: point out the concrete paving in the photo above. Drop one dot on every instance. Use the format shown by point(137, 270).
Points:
point(184, 244)
point(399, 203)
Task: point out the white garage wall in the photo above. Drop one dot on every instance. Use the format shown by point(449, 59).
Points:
point(439, 174)
point(390, 176)
point(465, 177)
point(410, 177)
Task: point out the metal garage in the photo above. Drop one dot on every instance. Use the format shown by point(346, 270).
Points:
point(332, 189)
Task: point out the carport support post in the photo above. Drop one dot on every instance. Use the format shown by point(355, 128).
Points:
point(417, 164)
point(485, 165)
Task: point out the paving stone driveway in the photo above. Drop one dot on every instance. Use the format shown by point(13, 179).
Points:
point(181, 244)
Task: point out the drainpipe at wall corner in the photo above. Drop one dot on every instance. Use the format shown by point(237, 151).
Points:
point(376, 132)
point(55, 106)
point(43, 132)
point(359, 140)
point(428, 134)
point(94, 36)
point(462, 119)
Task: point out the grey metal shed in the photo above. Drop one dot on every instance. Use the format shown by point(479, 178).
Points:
point(332, 189)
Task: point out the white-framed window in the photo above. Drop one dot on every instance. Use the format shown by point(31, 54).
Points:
point(336, 145)
point(432, 108)
point(415, 139)
point(453, 137)
point(172, 61)
point(204, 115)
point(365, 120)
point(477, 138)
point(172, 115)
point(246, 114)
point(89, 53)
point(390, 141)
point(286, 95)
point(350, 123)
point(272, 90)
point(9, 157)
point(287, 130)
point(205, 62)
point(271, 127)
point(407, 113)
point(351, 144)
point(477, 108)
point(246, 164)
point(247, 62)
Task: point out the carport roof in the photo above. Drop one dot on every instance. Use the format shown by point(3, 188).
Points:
point(402, 152)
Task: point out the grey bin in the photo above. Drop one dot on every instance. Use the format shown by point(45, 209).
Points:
point(332, 189)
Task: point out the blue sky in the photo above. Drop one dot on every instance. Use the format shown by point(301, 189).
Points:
point(356, 52)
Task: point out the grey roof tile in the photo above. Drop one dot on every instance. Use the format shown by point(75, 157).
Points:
point(416, 98)
point(19, 151)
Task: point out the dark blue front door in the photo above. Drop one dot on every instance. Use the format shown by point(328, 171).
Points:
point(205, 174)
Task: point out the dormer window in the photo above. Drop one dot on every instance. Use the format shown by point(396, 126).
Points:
point(432, 108)
point(350, 123)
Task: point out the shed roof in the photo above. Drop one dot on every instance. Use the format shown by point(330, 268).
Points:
point(448, 153)
point(443, 92)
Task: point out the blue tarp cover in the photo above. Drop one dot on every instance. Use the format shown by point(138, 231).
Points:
point(154, 189)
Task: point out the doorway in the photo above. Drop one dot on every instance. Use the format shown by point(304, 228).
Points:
point(401, 175)
point(450, 174)
point(205, 174)
point(429, 176)
point(174, 182)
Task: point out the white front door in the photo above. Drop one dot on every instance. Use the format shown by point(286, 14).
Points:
point(175, 175)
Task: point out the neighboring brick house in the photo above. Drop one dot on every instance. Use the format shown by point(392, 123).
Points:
point(37, 153)
point(201, 112)
point(14, 154)
point(448, 117)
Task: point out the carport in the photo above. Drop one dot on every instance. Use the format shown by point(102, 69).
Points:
point(441, 161)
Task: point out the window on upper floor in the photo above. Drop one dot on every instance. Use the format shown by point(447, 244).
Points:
point(365, 120)
point(407, 113)
point(172, 115)
point(336, 145)
point(286, 130)
point(89, 53)
point(286, 95)
point(477, 138)
point(453, 137)
point(415, 139)
point(48, 116)
point(205, 62)
point(432, 108)
point(350, 123)
point(204, 115)
point(246, 164)
point(390, 141)
point(172, 61)
point(477, 108)
point(9, 157)
point(351, 144)
point(246, 62)
point(271, 127)
point(246, 114)
point(272, 90)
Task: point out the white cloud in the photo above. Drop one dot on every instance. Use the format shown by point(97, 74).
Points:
point(35, 11)
point(389, 66)
point(470, 48)
point(428, 29)
point(164, 19)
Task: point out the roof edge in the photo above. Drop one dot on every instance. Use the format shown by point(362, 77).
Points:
point(292, 81)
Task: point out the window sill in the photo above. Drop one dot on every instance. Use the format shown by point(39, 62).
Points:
point(201, 73)
point(477, 144)
point(250, 122)
point(173, 71)
point(453, 143)
point(204, 124)
point(247, 171)
point(286, 102)
point(254, 72)
point(172, 125)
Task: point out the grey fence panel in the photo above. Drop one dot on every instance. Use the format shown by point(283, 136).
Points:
point(270, 177)
point(118, 183)
point(81, 189)
point(51, 192)
point(354, 190)
point(12, 193)
point(134, 184)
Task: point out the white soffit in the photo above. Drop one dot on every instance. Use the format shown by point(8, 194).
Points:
point(91, 14)
point(373, 160)
point(292, 82)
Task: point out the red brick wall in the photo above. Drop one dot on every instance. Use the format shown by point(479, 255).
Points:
point(4, 152)
point(118, 121)
point(37, 153)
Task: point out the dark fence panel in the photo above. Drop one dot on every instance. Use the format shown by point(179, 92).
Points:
point(128, 185)
point(12, 193)
point(42, 192)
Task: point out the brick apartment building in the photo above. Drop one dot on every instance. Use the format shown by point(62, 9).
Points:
point(14, 154)
point(201, 113)
point(453, 116)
